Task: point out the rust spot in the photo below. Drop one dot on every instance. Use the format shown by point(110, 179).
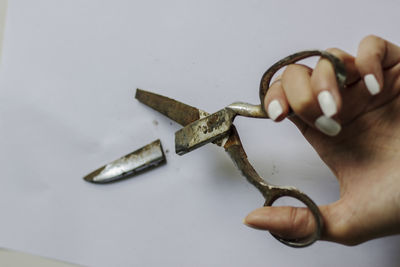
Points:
point(177, 111)
point(214, 121)
point(233, 139)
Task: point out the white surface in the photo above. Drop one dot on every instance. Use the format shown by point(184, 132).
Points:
point(66, 87)
point(3, 12)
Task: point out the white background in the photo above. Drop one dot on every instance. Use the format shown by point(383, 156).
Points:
point(3, 9)
point(67, 81)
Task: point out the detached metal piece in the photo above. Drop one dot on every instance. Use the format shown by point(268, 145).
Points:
point(145, 158)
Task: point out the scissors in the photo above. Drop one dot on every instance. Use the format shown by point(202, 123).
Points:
point(201, 128)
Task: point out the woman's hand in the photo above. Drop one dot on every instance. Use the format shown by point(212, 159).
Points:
point(356, 132)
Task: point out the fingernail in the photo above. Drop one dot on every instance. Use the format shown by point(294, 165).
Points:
point(327, 125)
point(254, 220)
point(327, 103)
point(372, 84)
point(274, 109)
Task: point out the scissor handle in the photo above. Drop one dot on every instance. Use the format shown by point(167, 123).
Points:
point(272, 193)
point(233, 146)
point(338, 67)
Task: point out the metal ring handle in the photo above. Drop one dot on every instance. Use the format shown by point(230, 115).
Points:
point(234, 148)
point(338, 67)
point(275, 192)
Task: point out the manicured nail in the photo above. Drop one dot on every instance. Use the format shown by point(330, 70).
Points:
point(372, 84)
point(327, 125)
point(327, 103)
point(274, 109)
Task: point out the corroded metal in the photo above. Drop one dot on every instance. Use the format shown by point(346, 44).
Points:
point(214, 126)
point(248, 110)
point(203, 131)
point(219, 129)
point(162, 103)
point(177, 111)
point(145, 158)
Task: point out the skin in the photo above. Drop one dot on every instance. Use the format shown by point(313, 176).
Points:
point(364, 156)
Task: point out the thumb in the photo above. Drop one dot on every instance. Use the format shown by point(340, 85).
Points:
point(286, 222)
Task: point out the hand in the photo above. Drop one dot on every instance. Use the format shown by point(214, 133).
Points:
point(356, 132)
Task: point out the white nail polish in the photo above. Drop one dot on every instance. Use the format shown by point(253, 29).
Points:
point(327, 103)
point(274, 109)
point(372, 84)
point(327, 125)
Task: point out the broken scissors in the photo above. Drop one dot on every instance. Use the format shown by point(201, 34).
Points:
point(201, 128)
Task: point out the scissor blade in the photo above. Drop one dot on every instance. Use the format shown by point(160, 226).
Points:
point(138, 161)
point(175, 110)
point(211, 128)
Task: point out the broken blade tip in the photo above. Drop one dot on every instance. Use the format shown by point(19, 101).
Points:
point(148, 157)
point(90, 180)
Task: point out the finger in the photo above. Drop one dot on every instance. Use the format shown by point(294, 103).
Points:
point(390, 90)
point(275, 101)
point(297, 223)
point(374, 55)
point(296, 83)
point(286, 222)
point(355, 101)
point(324, 83)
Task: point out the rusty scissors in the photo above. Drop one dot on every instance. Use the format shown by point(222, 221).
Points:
point(201, 128)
